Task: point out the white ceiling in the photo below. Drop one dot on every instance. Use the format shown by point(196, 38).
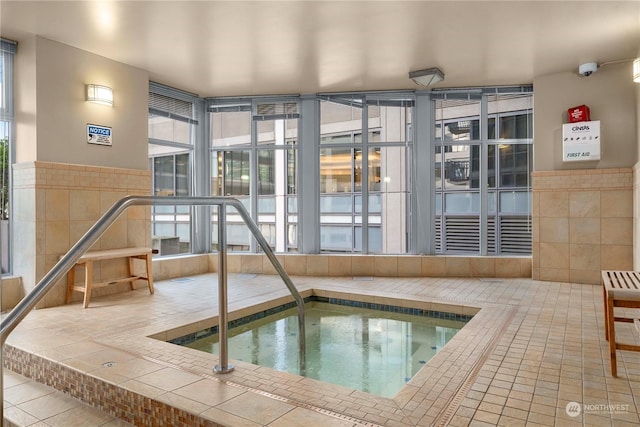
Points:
point(216, 48)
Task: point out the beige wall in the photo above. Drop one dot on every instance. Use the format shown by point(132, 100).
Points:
point(611, 96)
point(636, 187)
point(25, 99)
point(52, 114)
point(62, 184)
point(583, 212)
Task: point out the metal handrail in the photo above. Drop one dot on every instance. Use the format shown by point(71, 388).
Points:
point(67, 262)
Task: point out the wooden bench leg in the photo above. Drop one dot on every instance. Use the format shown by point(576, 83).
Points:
point(88, 278)
point(149, 273)
point(606, 312)
point(71, 282)
point(131, 271)
point(611, 332)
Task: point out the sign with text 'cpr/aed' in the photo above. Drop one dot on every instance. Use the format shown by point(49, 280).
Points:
point(581, 141)
point(100, 135)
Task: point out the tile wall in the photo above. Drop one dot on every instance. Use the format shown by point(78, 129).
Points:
point(636, 215)
point(582, 224)
point(55, 204)
point(12, 292)
point(379, 265)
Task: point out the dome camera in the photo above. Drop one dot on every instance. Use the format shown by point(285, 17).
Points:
point(587, 69)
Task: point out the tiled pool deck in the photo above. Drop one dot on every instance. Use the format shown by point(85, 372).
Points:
point(531, 349)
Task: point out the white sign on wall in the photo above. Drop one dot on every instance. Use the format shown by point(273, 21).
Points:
point(100, 135)
point(581, 141)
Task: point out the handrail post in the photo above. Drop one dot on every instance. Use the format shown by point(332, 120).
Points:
point(224, 366)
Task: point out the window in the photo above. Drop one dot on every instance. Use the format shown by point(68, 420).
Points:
point(364, 182)
point(4, 193)
point(7, 51)
point(360, 169)
point(502, 159)
point(171, 224)
point(171, 142)
point(253, 145)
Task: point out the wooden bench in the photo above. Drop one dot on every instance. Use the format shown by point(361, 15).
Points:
point(89, 258)
point(619, 289)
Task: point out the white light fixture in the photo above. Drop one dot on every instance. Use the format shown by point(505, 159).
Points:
point(636, 70)
point(427, 77)
point(100, 94)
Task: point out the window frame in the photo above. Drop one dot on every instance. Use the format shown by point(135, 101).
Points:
point(8, 49)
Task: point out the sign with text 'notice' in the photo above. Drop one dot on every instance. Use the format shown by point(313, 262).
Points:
point(100, 135)
point(581, 141)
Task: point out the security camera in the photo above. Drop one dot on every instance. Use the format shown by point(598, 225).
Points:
point(587, 69)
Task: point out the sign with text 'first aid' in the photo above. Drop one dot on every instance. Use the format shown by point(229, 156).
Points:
point(581, 141)
point(100, 135)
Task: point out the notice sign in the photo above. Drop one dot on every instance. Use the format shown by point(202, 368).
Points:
point(100, 135)
point(581, 141)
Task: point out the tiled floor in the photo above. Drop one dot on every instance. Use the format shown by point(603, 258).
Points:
point(531, 349)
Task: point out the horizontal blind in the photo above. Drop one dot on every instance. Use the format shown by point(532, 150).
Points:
point(176, 109)
point(8, 46)
point(276, 111)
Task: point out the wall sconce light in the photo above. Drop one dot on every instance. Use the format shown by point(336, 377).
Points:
point(427, 77)
point(636, 70)
point(100, 94)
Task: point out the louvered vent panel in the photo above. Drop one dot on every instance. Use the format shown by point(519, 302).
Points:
point(438, 234)
point(462, 234)
point(491, 236)
point(515, 234)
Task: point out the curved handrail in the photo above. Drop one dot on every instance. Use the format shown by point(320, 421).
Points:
point(65, 264)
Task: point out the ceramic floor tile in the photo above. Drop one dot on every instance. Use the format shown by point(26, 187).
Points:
point(49, 405)
point(24, 392)
point(79, 417)
point(11, 379)
point(189, 405)
point(259, 409)
point(209, 392)
point(225, 418)
point(168, 379)
point(131, 368)
point(19, 417)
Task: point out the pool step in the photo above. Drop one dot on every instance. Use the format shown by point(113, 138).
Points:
point(27, 402)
